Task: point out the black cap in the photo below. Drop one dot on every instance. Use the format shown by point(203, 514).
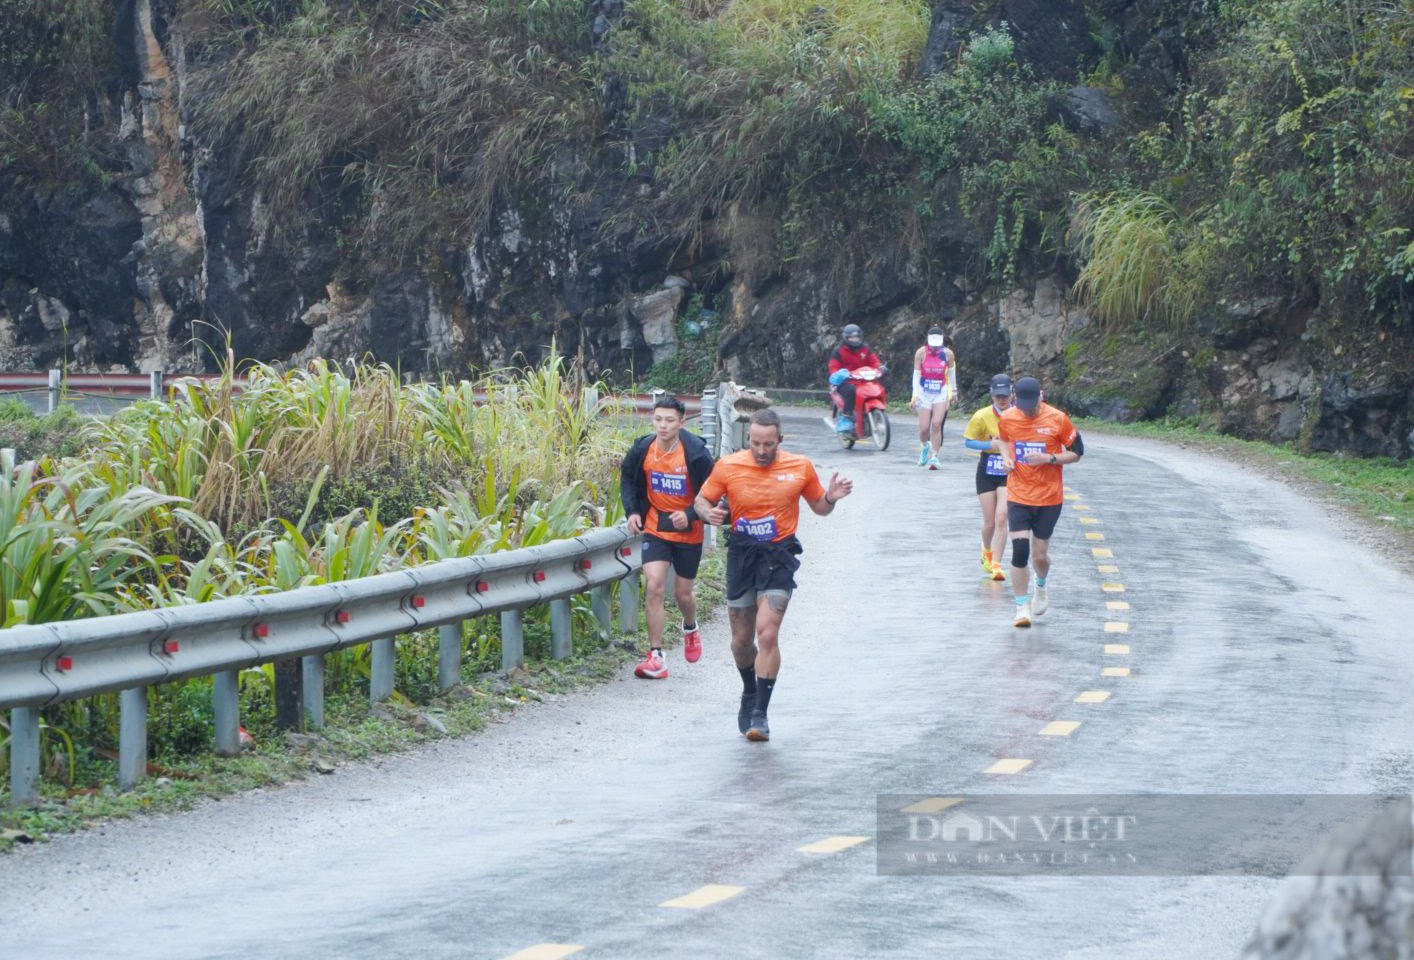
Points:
point(1001, 385)
point(1028, 393)
point(935, 331)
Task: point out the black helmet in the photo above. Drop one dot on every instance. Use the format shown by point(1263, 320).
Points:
point(852, 335)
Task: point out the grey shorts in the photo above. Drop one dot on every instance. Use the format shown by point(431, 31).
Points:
point(749, 598)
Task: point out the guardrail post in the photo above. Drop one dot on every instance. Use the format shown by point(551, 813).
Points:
point(561, 639)
point(599, 602)
point(227, 703)
point(628, 603)
point(132, 737)
point(380, 681)
point(312, 668)
point(56, 381)
point(512, 639)
point(24, 756)
point(155, 384)
point(449, 656)
point(711, 433)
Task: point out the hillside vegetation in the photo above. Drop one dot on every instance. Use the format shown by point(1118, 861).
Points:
point(1278, 161)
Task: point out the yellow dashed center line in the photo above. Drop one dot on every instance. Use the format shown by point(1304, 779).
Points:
point(1116, 626)
point(706, 896)
point(1107, 568)
point(832, 844)
point(1089, 519)
point(1094, 535)
point(1102, 553)
point(1072, 496)
point(932, 805)
point(1060, 728)
point(1115, 672)
point(1117, 649)
point(1008, 766)
point(546, 951)
point(1082, 506)
point(1112, 587)
point(1116, 605)
point(1093, 696)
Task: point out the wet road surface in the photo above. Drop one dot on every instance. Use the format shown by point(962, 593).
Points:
point(1265, 653)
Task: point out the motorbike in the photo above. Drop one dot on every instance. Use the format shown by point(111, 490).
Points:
point(871, 418)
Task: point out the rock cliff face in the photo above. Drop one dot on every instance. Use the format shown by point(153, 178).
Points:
point(178, 253)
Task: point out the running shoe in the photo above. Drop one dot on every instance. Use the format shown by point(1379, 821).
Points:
point(925, 452)
point(933, 463)
point(758, 729)
point(651, 668)
point(692, 645)
point(1023, 615)
point(743, 715)
point(997, 572)
point(1039, 600)
point(986, 561)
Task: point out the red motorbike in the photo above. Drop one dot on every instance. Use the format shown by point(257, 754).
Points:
point(871, 418)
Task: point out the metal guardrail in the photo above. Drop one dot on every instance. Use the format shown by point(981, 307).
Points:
point(52, 663)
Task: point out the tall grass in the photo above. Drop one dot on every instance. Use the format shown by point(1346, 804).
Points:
point(173, 503)
point(1136, 267)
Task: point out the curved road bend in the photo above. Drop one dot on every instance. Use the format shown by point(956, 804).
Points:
point(1266, 654)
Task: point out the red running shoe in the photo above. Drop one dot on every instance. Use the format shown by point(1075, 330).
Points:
point(692, 645)
point(651, 668)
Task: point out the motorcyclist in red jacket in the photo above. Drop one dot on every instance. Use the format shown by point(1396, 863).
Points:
point(852, 354)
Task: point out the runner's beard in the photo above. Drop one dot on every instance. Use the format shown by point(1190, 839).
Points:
point(765, 461)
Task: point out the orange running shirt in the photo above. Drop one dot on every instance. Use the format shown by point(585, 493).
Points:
point(668, 490)
point(1049, 431)
point(765, 501)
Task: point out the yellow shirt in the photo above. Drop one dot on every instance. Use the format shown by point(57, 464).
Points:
point(983, 425)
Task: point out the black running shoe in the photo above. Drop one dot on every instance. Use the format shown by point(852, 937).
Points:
point(758, 729)
point(743, 715)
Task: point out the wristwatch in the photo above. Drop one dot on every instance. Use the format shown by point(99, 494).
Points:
point(1054, 461)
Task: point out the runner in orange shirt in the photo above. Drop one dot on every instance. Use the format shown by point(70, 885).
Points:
point(764, 487)
point(1037, 441)
point(659, 478)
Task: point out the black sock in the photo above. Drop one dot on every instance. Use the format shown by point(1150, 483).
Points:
point(657, 651)
point(764, 686)
point(688, 627)
point(748, 679)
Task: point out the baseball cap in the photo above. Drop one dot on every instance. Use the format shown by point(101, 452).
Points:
point(1028, 393)
point(1001, 385)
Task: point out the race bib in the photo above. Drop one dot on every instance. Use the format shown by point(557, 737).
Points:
point(932, 384)
point(1023, 447)
point(669, 484)
point(994, 465)
point(762, 528)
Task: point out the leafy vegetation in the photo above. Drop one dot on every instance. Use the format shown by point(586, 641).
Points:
point(283, 484)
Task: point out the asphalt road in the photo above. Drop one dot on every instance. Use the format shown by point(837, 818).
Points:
point(1266, 650)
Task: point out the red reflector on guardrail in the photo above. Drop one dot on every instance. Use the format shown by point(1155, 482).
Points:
point(586, 563)
point(260, 631)
point(539, 576)
point(64, 663)
point(171, 646)
point(418, 601)
point(342, 616)
point(482, 586)
point(626, 551)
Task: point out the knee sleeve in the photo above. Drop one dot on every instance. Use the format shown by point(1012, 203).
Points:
point(1020, 552)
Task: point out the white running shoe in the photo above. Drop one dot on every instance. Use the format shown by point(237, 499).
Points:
point(1039, 600)
point(925, 452)
point(1023, 615)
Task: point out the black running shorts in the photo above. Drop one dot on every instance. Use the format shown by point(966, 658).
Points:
point(987, 482)
point(1041, 521)
point(685, 557)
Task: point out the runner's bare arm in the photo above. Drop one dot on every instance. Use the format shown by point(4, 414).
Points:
point(711, 514)
point(635, 523)
point(839, 488)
